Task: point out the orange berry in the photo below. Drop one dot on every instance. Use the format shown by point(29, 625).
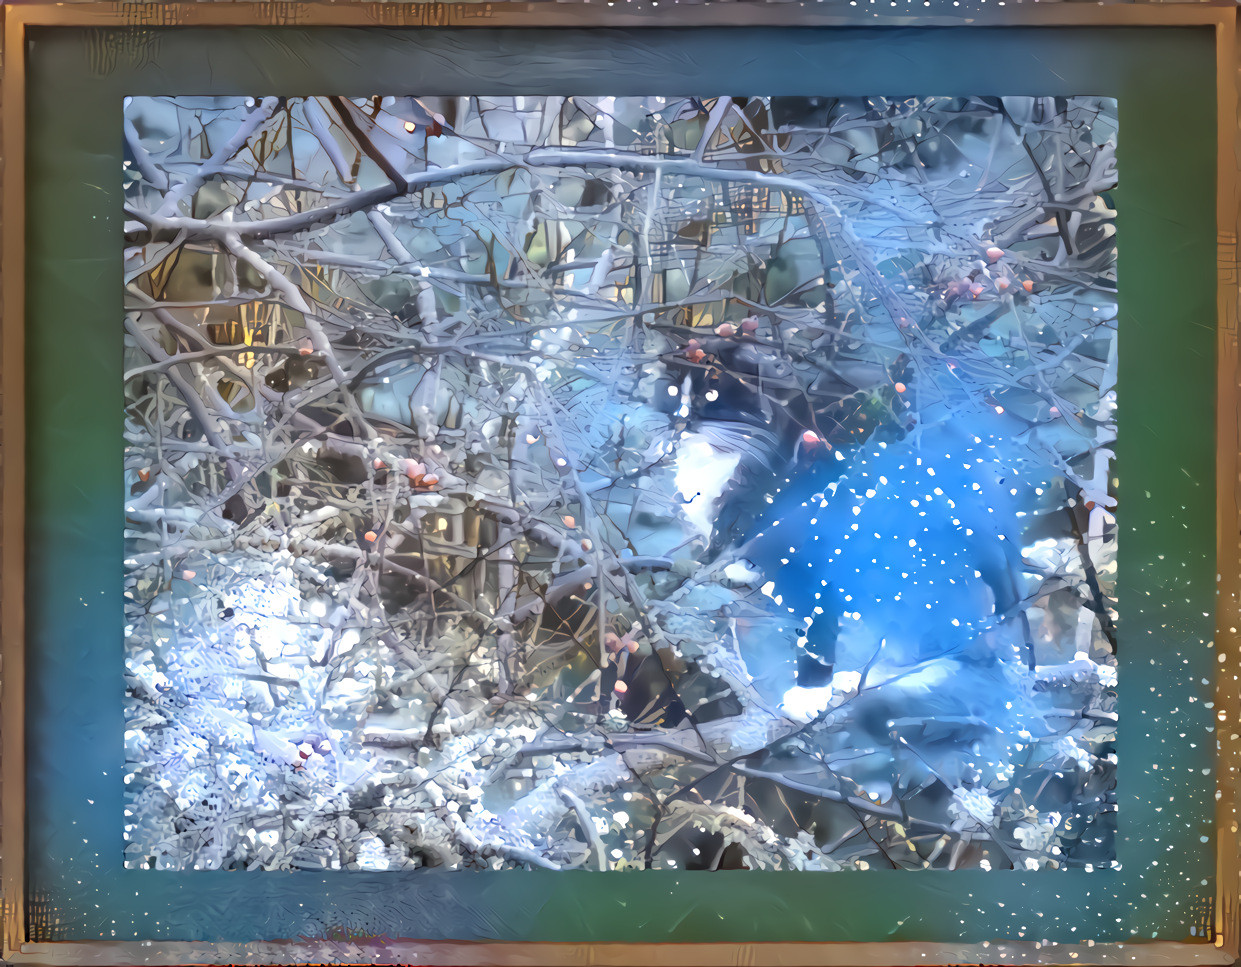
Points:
point(900, 387)
point(370, 537)
point(1028, 285)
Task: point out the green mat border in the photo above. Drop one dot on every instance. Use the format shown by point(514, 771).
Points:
point(1164, 80)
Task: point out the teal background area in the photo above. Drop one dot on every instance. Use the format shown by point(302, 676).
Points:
point(1164, 81)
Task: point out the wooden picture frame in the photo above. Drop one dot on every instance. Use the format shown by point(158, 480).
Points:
point(24, 21)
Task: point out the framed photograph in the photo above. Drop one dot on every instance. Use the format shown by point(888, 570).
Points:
point(601, 483)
